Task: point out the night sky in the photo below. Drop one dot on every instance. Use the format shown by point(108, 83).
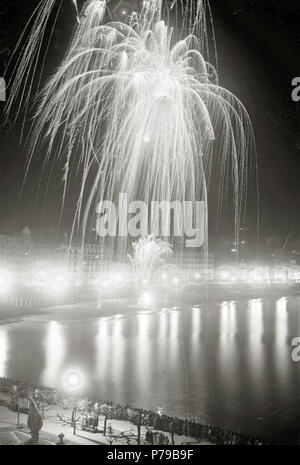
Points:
point(258, 46)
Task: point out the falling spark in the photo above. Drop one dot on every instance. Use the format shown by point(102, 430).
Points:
point(77, 12)
point(28, 56)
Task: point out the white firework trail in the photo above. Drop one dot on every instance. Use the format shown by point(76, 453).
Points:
point(76, 9)
point(28, 52)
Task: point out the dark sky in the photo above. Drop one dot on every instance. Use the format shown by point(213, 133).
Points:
point(259, 50)
point(258, 46)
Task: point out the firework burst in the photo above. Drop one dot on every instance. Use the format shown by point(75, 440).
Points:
point(148, 258)
point(134, 110)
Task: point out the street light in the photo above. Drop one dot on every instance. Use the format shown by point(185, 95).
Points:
point(73, 380)
point(59, 282)
point(5, 281)
point(16, 396)
point(145, 300)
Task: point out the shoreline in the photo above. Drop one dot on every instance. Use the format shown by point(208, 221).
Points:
point(176, 429)
point(106, 306)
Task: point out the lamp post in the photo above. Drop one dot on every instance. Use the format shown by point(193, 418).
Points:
point(74, 417)
point(16, 395)
point(74, 382)
point(139, 424)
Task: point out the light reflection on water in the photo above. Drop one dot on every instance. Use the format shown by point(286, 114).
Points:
point(55, 351)
point(255, 344)
point(3, 349)
point(229, 364)
point(281, 340)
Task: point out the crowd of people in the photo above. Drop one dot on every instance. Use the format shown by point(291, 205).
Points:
point(157, 424)
point(157, 438)
point(89, 422)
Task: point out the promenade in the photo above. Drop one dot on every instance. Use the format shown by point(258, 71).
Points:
point(122, 432)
